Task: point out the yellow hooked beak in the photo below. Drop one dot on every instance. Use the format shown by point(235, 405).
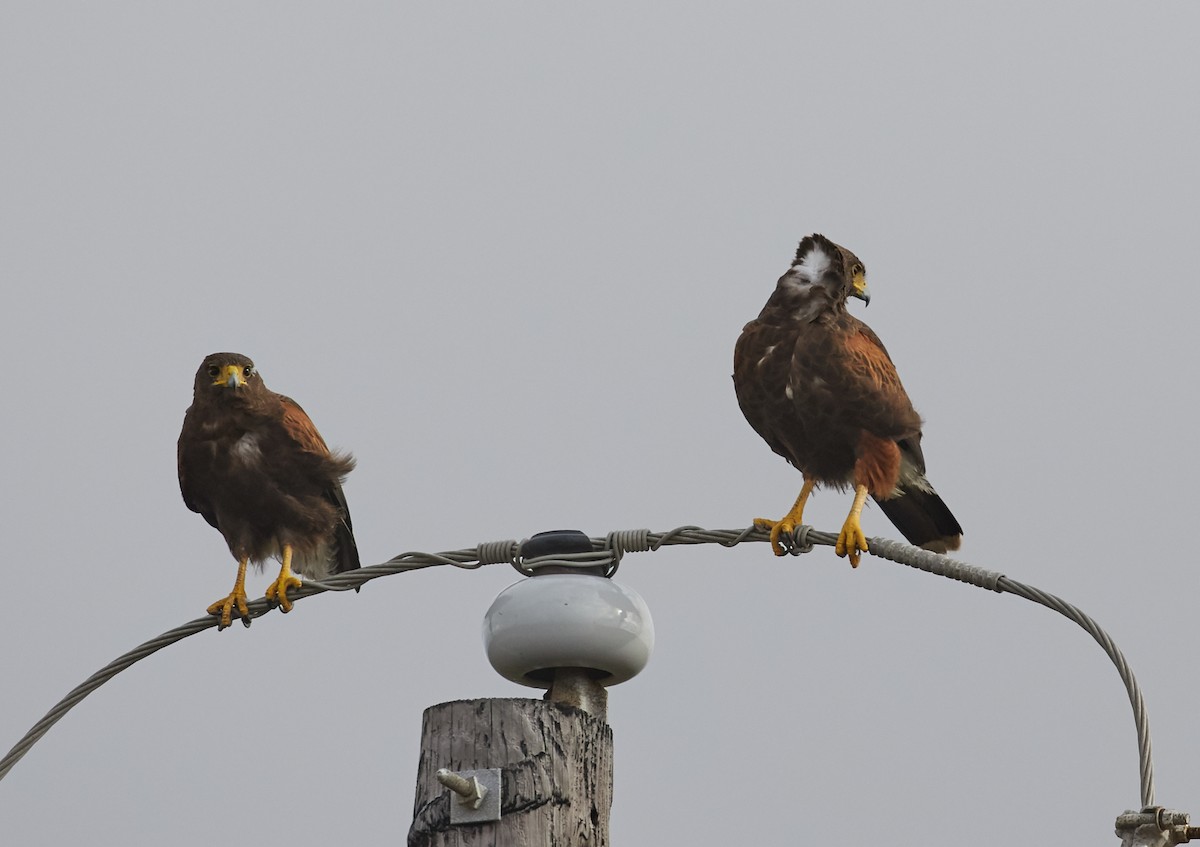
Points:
point(231, 377)
point(859, 288)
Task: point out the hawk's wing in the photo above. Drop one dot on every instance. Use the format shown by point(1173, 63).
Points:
point(192, 489)
point(300, 428)
point(761, 361)
point(872, 394)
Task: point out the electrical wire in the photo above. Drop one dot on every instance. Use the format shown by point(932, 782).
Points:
point(606, 555)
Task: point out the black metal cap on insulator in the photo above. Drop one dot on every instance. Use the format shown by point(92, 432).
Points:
point(558, 542)
point(555, 541)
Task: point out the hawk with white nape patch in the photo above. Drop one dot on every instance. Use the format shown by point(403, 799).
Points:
point(254, 466)
point(817, 384)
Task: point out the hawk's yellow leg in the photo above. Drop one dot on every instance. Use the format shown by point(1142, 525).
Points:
point(788, 522)
point(237, 597)
point(851, 541)
point(278, 589)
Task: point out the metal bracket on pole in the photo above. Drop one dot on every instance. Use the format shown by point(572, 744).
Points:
point(476, 794)
point(1155, 826)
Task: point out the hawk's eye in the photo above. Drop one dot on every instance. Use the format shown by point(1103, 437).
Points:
point(246, 371)
point(857, 269)
point(213, 370)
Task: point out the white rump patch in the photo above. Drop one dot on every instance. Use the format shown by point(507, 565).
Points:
point(318, 564)
point(814, 264)
point(911, 477)
point(246, 449)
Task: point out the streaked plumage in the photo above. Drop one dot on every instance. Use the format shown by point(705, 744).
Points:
point(252, 463)
point(817, 384)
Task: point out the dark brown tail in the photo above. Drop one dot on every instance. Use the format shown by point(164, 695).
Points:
point(346, 555)
point(923, 519)
point(347, 550)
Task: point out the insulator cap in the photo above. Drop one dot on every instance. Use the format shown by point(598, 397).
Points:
point(568, 621)
point(555, 541)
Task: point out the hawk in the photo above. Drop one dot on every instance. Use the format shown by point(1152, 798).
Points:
point(252, 463)
point(817, 384)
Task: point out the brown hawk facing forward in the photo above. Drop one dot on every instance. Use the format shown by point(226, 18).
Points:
point(817, 384)
point(252, 463)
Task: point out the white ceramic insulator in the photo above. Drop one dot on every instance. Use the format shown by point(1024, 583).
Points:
point(568, 621)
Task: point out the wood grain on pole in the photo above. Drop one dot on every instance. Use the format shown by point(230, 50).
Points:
point(557, 774)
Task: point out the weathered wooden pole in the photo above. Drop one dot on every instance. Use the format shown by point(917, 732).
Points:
point(556, 773)
point(509, 772)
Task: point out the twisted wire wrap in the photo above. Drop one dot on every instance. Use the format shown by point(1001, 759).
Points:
point(934, 563)
point(593, 559)
point(622, 541)
point(497, 552)
point(607, 553)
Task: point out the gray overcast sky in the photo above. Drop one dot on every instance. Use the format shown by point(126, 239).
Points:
point(502, 252)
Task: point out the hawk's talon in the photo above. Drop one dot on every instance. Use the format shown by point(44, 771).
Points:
point(788, 524)
point(277, 590)
point(851, 541)
point(224, 608)
point(777, 529)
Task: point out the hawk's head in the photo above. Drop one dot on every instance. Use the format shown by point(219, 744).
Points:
point(223, 373)
point(823, 276)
